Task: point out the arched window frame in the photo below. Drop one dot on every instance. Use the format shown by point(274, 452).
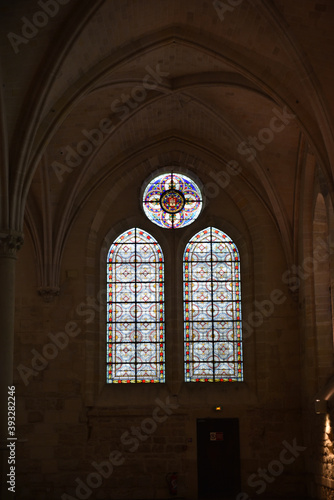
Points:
point(131, 342)
point(221, 335)
point(172, 200)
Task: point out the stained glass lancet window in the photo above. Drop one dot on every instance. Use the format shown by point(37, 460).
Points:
point(172, 200)
point(135, 309)
point(212, 308)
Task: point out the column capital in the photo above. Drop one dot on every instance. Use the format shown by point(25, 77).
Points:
point(10, 243)
point(48, 293)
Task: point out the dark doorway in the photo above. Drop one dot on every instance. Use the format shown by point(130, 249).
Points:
point(218, 458)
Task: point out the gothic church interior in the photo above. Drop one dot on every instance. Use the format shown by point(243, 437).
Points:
point(166, 249)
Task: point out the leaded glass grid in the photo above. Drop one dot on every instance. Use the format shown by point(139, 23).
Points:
point(212, 308)
point(135, 310)
point(172, 200)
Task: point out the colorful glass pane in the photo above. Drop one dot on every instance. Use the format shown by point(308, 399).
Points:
point(212, 309)
point(135, 310)
point(172, 200)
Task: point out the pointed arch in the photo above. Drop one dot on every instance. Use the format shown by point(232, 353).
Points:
point(135, 309)
point(212, 308)
point(321, 267)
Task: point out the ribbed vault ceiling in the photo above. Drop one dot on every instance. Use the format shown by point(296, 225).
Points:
point(218, 83)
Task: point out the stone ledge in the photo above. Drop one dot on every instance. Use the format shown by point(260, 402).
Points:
point(324, 481)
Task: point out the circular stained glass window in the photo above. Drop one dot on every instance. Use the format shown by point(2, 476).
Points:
point(172, 200)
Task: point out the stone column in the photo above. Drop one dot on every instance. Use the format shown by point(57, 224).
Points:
point(10, 242)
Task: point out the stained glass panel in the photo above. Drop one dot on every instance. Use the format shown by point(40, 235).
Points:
point(172, 200)
point(212, 308)
point(135, 310)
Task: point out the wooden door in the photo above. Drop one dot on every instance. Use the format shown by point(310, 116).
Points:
point(218, 458)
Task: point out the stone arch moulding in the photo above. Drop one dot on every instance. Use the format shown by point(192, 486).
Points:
point(25, 158)
point(195, 158)
point(96, 252)
point(322, 289)
point(90, 81)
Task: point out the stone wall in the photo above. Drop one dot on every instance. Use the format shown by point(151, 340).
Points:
point(68, 419)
